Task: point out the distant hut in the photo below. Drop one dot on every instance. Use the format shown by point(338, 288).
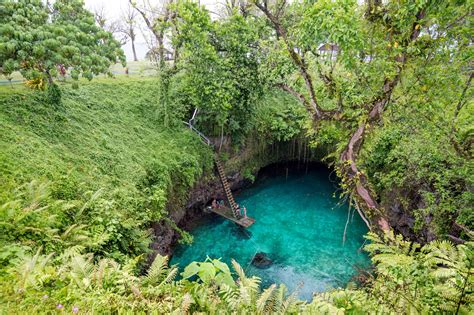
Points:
point(329, 51)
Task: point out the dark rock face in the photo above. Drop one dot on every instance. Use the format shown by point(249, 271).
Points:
point(165, 236)
point(261, 260)
point(403, 221)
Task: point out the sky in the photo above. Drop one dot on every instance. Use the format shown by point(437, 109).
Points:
point(113, 9)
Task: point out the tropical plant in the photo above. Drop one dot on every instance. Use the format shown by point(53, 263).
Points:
point(408, 279)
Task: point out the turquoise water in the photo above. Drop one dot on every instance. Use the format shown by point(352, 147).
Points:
point(299, 224)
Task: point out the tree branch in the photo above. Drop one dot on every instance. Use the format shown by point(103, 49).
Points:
point(350, 154)
point(297, 59)
point(299, 96)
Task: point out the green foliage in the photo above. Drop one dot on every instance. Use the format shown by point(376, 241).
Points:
point(54, 94)
point(42, 283)
point(420, 157)
point(279, 117)
point(100, 170)
point(210, 271)
point(417, 148)
point(335, 22)
point(220, 69)
point(34, 218)
point(37, 40)
point(435, 278)
point(80, 185)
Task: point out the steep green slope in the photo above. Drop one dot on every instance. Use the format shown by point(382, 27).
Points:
point(103, 152)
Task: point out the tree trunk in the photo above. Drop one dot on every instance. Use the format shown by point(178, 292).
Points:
point(348, 158)
point(132, 39)
point(134, 51)
point(50, 77)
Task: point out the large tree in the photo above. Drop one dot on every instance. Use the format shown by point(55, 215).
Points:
point(345, 62)
point(42, 40)
point(219, 68)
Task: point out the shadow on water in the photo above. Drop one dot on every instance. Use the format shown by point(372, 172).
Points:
point(240, 232)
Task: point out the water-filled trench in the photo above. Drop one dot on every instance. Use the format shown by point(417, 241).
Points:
point(299, 224)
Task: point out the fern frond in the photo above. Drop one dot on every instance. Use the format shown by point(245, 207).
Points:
point(171, 276)
point(320, 305)
point(238, 269)
point(231, 297)
point(290, 302)
point(264, 298)
point(91, 200)
point(186, 303)
point(157, 269)
point(244, 294)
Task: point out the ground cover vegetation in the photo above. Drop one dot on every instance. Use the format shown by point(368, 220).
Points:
point(84, 172)
point(98, 165)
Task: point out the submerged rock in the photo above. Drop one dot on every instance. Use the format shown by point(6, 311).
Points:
point(261, 260)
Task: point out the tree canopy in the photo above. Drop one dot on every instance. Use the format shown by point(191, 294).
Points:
point(42, 41)
point(350, 65)
point(359, 70)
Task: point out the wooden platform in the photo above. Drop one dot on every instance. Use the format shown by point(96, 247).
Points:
point(227, 213)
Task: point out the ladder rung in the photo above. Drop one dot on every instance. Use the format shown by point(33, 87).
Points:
point(226, 188)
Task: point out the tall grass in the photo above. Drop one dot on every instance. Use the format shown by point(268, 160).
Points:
point(104, 143)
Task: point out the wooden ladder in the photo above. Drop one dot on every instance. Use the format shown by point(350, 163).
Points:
point(228, 193)
point(246, 222)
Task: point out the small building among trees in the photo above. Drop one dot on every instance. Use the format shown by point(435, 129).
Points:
point(329, 51)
